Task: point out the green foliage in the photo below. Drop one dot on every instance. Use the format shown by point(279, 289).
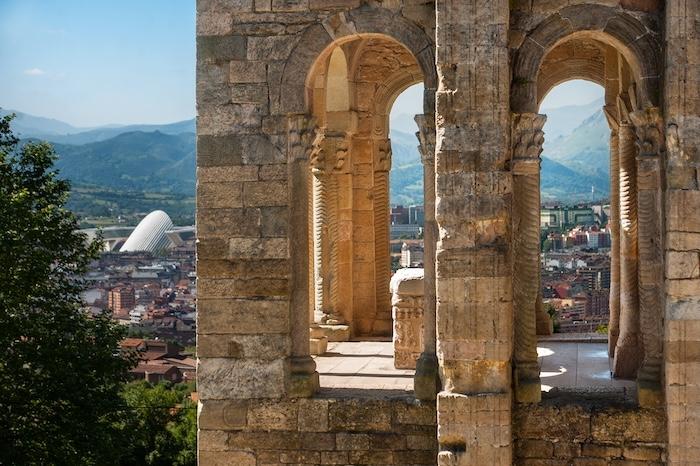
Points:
point(60, 373)
point(602, 329)
point(159, 427)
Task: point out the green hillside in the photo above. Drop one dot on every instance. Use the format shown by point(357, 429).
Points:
point(137, 161)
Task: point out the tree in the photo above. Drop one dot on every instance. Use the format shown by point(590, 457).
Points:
point(161, 426)
point(60, 370)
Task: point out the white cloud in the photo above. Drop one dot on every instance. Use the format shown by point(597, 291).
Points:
point(34, 72)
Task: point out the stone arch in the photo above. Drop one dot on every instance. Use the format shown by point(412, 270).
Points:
point(632, 39)
point(337, 97)
point(318, 41)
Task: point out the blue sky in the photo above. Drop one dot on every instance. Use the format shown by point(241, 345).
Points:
point(94, 62)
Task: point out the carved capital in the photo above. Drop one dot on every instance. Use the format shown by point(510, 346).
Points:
point(426, 137)
point(302, 132)
point(649, 127)
point(382, 159)
point(527, 137)
point(330, 154)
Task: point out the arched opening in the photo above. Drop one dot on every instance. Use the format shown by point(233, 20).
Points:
point(352, 90)
point(609, 59)
point(575, 187)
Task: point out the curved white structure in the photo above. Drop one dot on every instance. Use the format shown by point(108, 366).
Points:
point(150, 235)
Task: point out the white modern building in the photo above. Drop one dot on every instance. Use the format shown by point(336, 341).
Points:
point(150, 234)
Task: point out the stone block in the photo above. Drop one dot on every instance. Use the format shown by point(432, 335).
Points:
point(220, 345)
point(318, 346)
point(643, 425)
point(225, 378)
point(313, 415)
point(221, 48)
point(534, 449)
point(226, 458)
point(682, 265)
point(347, 441)
point(242, 316)
point(258, 248)
point(642, 453)
point(265, 193)
point(219, 195)
point(601, 451)
point(273, 415)
point(359, 415)
point(223, 415)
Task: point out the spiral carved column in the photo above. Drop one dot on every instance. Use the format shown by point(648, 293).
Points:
point(649, 128)
point(527, 137)
point(427, 381)
point(628, 352)
point(614, 225)
point(382, 253)
point(320, 220)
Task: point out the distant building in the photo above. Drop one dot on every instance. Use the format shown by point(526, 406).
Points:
point(411, 255)
point(566, 217)
point(150, 234)
point(416, 215)
point(597, 303)
point(121, 299)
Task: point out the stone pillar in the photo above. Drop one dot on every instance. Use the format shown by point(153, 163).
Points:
point(407, 306)
point(303, 380)
point(327, 161)
point(527, 140)
point(382, 255)
point(614, 225)
point(628, 352)
point(473, 213)
point(426, 383)
point(648, 124)
point(682, 230)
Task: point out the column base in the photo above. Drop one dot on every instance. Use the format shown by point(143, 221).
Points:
point(528, 388)
point(318, 346)
point(426, 381)
point(303, 381)
point(627, 359)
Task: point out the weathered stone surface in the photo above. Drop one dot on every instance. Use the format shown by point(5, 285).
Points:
point(291, 89)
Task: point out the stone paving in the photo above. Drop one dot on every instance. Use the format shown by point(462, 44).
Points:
point(370, 365)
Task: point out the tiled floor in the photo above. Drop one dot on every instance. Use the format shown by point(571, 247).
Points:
point(576, 365)
point(362, 365)
point(370, 365)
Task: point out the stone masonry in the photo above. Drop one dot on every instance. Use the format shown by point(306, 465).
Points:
point(293, 162)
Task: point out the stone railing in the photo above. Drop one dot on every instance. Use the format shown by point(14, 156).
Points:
point(407, 312)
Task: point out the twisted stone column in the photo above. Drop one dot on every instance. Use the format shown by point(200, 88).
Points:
point(527, 137)
point(320, 221)
point(614, 225)
point(302, 144)
point(382, 253)
point(628, 352)
point(649, 129)
point(426, 382)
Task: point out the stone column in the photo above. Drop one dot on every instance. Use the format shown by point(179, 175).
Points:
point(426, 382)
point(527, 139)
point(628, 352)
point(326, 162)
point(382, 255)
point(473, 212)
point(648, 125)
point(614, 224)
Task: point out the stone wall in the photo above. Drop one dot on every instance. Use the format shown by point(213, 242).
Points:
point(322, 431)
point(561, 434)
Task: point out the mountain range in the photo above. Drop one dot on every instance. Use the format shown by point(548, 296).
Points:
point(152, 166)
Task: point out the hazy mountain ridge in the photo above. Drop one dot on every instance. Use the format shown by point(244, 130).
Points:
point(161, 158)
